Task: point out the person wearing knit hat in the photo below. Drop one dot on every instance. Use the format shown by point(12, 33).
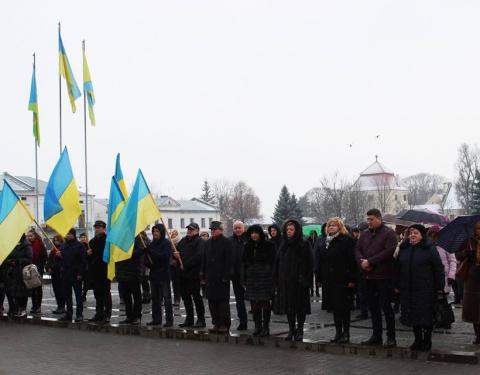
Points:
point(419, 279)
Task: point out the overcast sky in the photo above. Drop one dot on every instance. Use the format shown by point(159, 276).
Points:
point(269, 92)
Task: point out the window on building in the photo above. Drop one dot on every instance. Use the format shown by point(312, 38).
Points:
point(23, 198)
point(396, 197)
point(203, 222)
point(182, 223)
point(404, 198)
point(170, 223)
point(210, 221)
point(191, 220)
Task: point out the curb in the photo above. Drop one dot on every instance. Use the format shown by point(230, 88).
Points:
point(398, 353)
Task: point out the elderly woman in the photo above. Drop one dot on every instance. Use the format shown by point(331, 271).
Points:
point(337, 269)
point(420, 279)
point(292, 276)
point(470, 254)
point(258, 259)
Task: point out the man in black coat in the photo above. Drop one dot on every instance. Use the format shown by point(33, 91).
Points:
point(97, 273)
point(238, 247)
point(73, 262)
point(215, 273)
point(374, 253)
point(191, 248)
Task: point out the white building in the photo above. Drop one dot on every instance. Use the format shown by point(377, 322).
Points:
point(24, 187)
point(383, 188)
point(177, 214)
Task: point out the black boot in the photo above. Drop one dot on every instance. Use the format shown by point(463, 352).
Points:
point(338, 328)
point(345, 339)
point(299, 332)
point(188, 322)
point(476, 328)
point(266, 322)
point(427, 339)
point(291, 328)
point(417, 344)
point(257, 318)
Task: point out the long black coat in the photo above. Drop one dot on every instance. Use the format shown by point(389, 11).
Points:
point(191, 251)
point(419, 274)
point(20, 257)
point(130, 270)
point(97, 268)
point(293, 273)
point(238, 246)
point(258, 261)
point(336, 268)
point(216, 268)
point(73, 260)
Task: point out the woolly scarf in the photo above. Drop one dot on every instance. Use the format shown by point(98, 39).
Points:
point(330, 238)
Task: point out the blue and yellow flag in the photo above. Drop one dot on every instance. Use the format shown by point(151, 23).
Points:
point(66, 72)
point(119, 177)
point(112, 253)
point(139, 212)
point(33, 106)
point(15, 219)
point(62, 199)
point(88, 88)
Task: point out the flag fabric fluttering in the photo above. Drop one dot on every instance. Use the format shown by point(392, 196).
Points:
point(66, 72)
point(139, 212)
point(15, 218)
point(33, 106)
point(88, 88)
point(112, 253)
point(119, 177)
point(62, 199)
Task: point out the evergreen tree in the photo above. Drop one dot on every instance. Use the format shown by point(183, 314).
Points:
point(295, 210)
point(282, 208)
point(475, 206)
point(207, 193)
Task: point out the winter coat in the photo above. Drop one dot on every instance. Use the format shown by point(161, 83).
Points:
point(39, 254)
point(471, 286)
point(319, 244)
point(53, 264)
point(13, 265)
point(216, 268)
point(238, 246)
point(293, 273)
point(377, 246)
point(336, 269)
point(97, 270)
point(258, 261)
point(160, 252)
point(449, 266)
point(130, 270)
point(191, 250)
point(419, 276)
point(73, 260)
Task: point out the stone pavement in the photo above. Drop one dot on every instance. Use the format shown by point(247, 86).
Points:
point(318, 328)
point(28, 349)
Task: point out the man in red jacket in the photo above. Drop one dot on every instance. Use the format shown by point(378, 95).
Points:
point(374, 253)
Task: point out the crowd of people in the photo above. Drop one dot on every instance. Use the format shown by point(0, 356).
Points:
point(375, 269)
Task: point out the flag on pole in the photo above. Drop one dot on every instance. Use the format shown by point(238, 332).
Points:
point(112, 253)
point(62, 199)
point(139, 212)
point(88, 88)
point(66, 72)
point(119, 177)
point(33, 106)
point(15, 218)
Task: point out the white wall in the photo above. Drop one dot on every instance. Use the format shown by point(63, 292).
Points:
point(197, 218)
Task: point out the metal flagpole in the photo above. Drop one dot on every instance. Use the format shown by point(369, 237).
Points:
point(86, 160)
point(60, 96)
point(36, 164)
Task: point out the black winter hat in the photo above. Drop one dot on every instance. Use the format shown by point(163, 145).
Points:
point(420, 228)
point(73, 231)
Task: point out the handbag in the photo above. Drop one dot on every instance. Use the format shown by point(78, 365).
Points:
point(443, 313)
point(31, 277)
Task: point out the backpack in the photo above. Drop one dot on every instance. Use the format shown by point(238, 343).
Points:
point(31, 276)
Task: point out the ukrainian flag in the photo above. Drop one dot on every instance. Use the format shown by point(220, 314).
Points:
point(33, 106)
point(15, 218)
point(66, 72)
point(112, 253)
point(139, 212)
point(62, 199)
point(119, 177)
point(88, 88)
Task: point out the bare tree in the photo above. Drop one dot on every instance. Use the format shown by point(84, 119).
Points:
point(422, 186)
point(356, 205)
point(467, 163)
point(236, 200)
point(222, 190)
